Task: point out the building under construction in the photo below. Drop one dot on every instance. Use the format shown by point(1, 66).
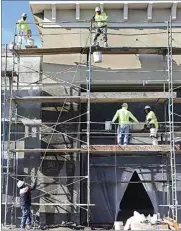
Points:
point(56, 101)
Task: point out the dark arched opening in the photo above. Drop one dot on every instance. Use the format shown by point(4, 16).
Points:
point(135, 199)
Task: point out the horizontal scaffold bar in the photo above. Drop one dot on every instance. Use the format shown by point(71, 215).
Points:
point(108, 50)
point(104, 97)
point(106, 149)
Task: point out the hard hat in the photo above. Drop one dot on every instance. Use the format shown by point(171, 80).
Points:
point(20, 183)
point(147, 107)
point(24, 15)
point(97, 9)
point(124, 105)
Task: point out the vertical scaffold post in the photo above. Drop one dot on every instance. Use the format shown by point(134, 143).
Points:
point(10, 156)
point(88, 126)
point(4, 90)
point(8, 147)
point(173, 197)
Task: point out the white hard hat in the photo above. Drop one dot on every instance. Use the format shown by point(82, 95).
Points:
point(20, 183)
point(147, 107)
point(24, 15)
point(124, 105)
point(97, 9)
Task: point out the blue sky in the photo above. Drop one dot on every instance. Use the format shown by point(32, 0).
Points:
point(11, 13)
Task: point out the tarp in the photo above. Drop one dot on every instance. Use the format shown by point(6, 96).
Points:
point(107, 193)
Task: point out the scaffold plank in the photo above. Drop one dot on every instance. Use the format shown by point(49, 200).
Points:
point(48, 99)
point(130, 148)
point(109, 50)
point(106, 149)
point(102, 97)
point(110, 97)
point(39, 150)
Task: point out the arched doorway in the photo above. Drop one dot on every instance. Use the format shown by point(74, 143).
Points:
point(135, 199)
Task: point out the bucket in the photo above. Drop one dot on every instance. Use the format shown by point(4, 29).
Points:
point(97, 55)
point(118, 225)
point(108, 125)
point(30, 42)
point(11, 46)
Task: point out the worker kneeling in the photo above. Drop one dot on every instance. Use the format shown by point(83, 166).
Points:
point(123, 130)
point(152, 124)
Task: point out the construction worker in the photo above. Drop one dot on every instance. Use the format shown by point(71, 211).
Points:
point(123, 130)
point(152, 124)
point(25, 203)
point(100, 21)
point(23, 29)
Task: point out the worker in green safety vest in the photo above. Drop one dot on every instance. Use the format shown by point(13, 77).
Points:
point(151, 124)
point(123, 131)
point(23, 29)
point(100, 22)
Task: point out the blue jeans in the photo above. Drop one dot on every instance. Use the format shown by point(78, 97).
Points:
point(123, 134)
point(26, 216)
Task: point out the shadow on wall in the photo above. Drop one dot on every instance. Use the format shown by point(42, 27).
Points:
point(127, 68)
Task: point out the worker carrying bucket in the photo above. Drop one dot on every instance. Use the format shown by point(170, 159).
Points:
point(24, 31)
point(100, 21)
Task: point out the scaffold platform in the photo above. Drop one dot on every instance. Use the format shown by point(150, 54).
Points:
point(103, 97)
point(108, 50)
point(106, 149)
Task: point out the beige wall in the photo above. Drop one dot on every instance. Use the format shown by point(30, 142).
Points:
point(116, 15)
point(142, 67)
point(70, 37)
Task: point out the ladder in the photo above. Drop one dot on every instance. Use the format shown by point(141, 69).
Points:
point(173, 187)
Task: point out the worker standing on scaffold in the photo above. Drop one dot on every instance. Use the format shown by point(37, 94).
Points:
point(151, 124)
point(23, 29)
point(25, 203)
point(123, 130)
point(100, 21)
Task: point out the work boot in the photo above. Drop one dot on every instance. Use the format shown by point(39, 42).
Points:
point(105, 44)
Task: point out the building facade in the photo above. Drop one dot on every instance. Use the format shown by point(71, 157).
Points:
point(118, 184)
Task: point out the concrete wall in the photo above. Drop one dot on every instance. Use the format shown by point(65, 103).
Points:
point(26, 165)
point(51, 168)
point(115, 70)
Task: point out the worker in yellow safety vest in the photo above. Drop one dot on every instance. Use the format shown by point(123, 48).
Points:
point(100, 22)
point(152, 124)
point(23, 29)
point(123, 130)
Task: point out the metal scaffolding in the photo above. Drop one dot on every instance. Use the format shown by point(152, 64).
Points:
point(88, 149)
point(173, 197)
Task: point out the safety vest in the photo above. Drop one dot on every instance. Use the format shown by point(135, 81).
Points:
point(23, 25)
point(151, 116)
point(124, 116)
point(101, 19)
